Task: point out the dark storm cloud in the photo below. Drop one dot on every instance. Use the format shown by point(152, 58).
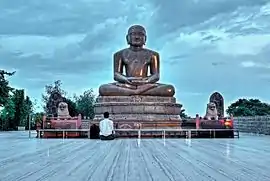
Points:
point(186, 13)
point(57, 18)
point(36, 65)
point(74, 41)
point(259, 64)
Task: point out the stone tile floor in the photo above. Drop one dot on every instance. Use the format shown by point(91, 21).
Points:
point(246, 158)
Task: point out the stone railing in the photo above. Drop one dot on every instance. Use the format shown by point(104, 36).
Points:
point(85, 123)
point(254, 124)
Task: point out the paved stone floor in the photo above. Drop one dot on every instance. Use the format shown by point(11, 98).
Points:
point(21, 158)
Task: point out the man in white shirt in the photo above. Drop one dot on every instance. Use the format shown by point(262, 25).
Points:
point(106, 128)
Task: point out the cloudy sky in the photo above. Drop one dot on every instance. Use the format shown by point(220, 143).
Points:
point(205, 45)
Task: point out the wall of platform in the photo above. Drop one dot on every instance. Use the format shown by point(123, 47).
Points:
point(256, 124)
point(85, 123)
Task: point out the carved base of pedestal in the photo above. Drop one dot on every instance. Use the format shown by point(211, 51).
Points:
point(149, 111)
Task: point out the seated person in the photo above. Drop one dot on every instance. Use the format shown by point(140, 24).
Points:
point(94, 132)
point(106, 128)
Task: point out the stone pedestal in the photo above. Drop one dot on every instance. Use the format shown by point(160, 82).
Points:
point(130, 111)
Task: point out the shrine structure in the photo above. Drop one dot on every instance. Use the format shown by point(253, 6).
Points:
point(62, 121)
point(136, 98)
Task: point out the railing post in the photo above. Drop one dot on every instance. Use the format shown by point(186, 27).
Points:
point(139, 134)
point(231, 118)
point(197, 121)
point(43, 121)
point(164, 134)
point(79, 121)
point(164, 137)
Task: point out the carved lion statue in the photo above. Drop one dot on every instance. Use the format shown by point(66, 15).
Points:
point(62, 110)
point(211, 111)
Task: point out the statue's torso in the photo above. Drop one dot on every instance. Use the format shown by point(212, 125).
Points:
point(136, 62)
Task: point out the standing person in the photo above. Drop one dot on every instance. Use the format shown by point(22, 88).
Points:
point(106, 128)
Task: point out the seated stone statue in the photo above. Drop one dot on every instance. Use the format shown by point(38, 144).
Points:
point(136, 61)
point(211, 112)
point(62, 111)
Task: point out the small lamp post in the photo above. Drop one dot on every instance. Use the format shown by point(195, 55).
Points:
point(29, 124)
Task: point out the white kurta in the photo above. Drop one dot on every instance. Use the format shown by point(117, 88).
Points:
point(106, 127)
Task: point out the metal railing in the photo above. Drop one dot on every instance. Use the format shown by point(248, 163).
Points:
point(188, 132)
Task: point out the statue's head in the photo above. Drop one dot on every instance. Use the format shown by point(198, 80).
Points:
point(211, 111)
point(136, 36)
point(63, 110)
point(211, 106)
point(63, 106)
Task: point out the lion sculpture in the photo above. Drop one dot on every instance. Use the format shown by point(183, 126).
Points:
point(211, 112)
point(62, 110)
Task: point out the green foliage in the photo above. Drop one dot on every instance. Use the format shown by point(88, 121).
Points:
point(80, 104)
point(16, 108)
point(4, 87)
point(248, 107)
point(7, 115)
point(38, 117)
point(183, 114)
point(55, 87)
point(16, 111)
point(19, 116)
point(26, 112)
point(28, 105)
point(49, 89)
point(85, 103)
point(72, 108)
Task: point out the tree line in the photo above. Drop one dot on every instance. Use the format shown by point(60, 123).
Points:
point(17, 109)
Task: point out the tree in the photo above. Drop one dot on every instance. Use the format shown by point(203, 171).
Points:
point(248, 107)
point(183, 114)
point(85, 103)
point(4, 87)
point(19, 116)
point(49, 91)
point(16, 111)
point(28, 104)
point(7, 115)
point(27, 112)
point(72, 108)
point(38, 117)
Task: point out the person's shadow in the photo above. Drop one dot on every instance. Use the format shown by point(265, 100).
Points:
point(94, 131)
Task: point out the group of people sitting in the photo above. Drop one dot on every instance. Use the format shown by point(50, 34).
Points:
point(105, 129)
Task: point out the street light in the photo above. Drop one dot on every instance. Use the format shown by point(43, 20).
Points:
point(29, 124)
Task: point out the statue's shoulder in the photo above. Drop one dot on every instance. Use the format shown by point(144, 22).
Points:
point(152, 52)
point(121, 52)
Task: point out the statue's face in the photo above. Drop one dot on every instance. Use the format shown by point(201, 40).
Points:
point(136, 36)
point(62, 106)
point(212, 106)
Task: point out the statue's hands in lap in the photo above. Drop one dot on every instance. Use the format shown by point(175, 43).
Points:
point(132, 80)
point(138, 81)
point(142, 84)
